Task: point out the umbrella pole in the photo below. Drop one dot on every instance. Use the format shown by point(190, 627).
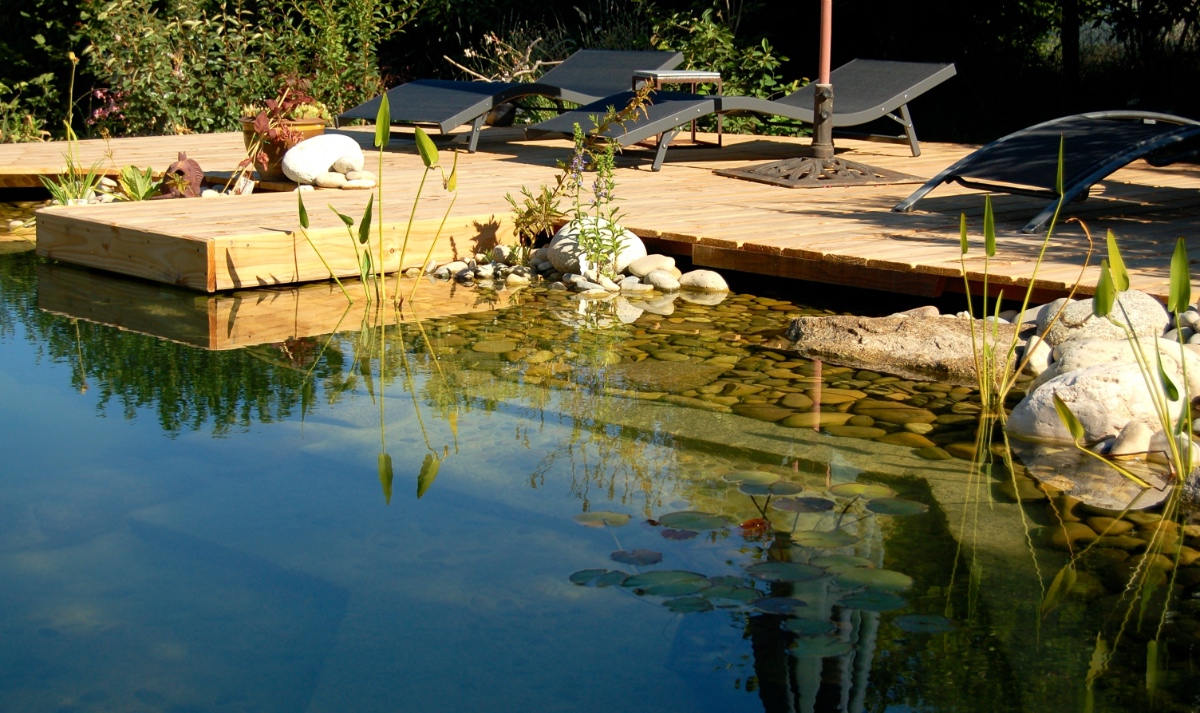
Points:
point(822, 144)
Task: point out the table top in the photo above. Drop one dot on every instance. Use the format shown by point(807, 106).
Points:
point(677, 75)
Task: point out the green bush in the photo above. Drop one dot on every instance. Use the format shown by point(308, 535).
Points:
point(20, 114)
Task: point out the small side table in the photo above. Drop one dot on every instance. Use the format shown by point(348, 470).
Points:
point(658, 78)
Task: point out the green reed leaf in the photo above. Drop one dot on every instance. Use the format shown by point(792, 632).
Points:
point(1063, 582)
point(1058, 176)
point(385, 476)
point(1180, 294)
point(345, 218)
point(1169, 387)
point(1069, 419)
point(426, 147)
point(1106, 292)
point(989, 227)
point(452, 181)
point(383, 122)
point(303, 212)
point(962, 232)
point(1155, 666)
point(364, 226)
point(428, 474)
point(1116, 265)
point(364, 268)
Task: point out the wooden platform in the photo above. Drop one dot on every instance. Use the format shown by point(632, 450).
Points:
point(845, 236)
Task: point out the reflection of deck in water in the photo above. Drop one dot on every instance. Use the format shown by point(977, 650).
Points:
point(844, 236)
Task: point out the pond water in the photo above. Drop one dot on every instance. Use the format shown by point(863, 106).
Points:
point(562, 511)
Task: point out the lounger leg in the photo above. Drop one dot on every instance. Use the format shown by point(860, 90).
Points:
point(664, 141)
point(910, 130)
point(475, 128)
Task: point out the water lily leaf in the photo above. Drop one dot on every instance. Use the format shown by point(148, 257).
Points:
point(723, 593)
point(820, 647)
point(583, 576)
point(824, 540)
point(866, 491)
point(660, 577)
point(1063, 582)
point(842, 561)
point(425, 147)
point(785, 571)
point(873, 600)
point(781, 489)
point(600, 518)
point(757, 477)
point(779, 605)
point(802, 505)
point(428, 474)
point(385, 476)
point(672, 534)
point(810, 627)
point(875, 578)
point(688, 605)
point(638, 558)
point(612, 579)
point(303, 211)
point(383, 122)
point(693, 520)
point(677, 589)
point(1180, 295)
point(925, 624)
point(896, 506)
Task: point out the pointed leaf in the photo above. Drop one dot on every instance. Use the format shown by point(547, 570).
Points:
point(1181, 280)
point(962, 232)
point(1168, 385)
point(428, 474)
point(1099, 660)
point(1068, 418)
point(345, 218)
point(383, 122)
point(385, 476)
point(1155, 667)
point(1059, 588)
point(303, 212)
point(452, 181)
point(989, 227)
point(1058, 176)
point(425, 147)
point(1106, 292)
point(364, 226)
point(365, 267)
point(1116, 265)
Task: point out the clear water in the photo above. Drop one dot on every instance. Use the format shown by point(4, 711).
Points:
point(192, 530)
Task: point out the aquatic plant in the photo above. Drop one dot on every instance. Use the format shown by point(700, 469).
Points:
point(136, 185)
point(74, 184)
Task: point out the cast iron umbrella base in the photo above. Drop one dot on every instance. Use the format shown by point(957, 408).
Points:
point(811, 172)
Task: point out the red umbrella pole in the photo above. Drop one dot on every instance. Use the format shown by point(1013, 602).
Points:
point(822, 145)
point(826, 40)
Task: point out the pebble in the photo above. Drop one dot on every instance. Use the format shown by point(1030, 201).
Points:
point(849, 431)
point(356, 184)
point(961, 449)
point(763, 412)
point(921, 428)
point(823, 419)
point(645, 265)
point(933, 453)
point(1025, 491)
point(1064, 535)
point(517, 280)
point(662, 280)
point(329, 179)
point(362, 176)
point(801, 401)
point(15, 224)
point(904, 438)
point(1109, 525)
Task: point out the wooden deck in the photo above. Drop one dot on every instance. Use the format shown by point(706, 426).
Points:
point(844, 236)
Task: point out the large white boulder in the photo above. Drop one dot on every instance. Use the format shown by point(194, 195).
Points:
point(308, 159)
point(1146, 317)
point(564, 251)
point(1076, 355)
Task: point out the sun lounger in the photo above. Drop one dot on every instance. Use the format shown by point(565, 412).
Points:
point(1094, 146)
point(582, 78)
point(864, 90)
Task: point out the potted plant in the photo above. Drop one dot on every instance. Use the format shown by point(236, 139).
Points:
point(271, 128)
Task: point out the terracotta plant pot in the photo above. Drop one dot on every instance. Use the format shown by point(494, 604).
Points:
point(307, 128)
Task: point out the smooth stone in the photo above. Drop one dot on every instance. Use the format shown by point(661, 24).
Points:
point(1109, 526)
point(664, 355)
point(926, 311)
point(904, 438)
point(849, 431)
point(823, 419)
point(695, 403)
point(833, 397)
point(515, 280)
point(329, 179)
point(762, 412)
point(1074, 356)
point(1025, 491)
point(920, 428)
point(361, 176)
point(566, 255)
point(1062, 507)
point(861, 421)
point(662, 280)
point(210, 193)
point(657, 375)
point(627, 313)
point(708, 299)
point(608, 284)
point(962, 450)
point(1120, 542)
point(797, 401)
point(1037, 356)
point(358, 184)
point(933, 453)
point(1184, 556)
point(949, 419)
point(1146, 318)
point(898, 416)
point(1143, 519)
point(739, 390)
point(1134, 439)
point(645, 265)
point(703, 281)
point(663, 306)
point(308, 159)
point(494, 346)
point(1159, 447)
point(636, 289)
point(1066, 534)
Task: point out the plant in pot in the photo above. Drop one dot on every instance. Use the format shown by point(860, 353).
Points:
point(271, 128)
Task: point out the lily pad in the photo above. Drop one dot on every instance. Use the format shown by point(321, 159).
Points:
point(665, 576)
point(673, 534)
point(897, 506)
point(827, 561)
point(756, 477)
point(600, 518)
point(688, 605)
point(693, 520)
point(780, 489)
point(779, 605)
point(722, 594)
point(583, 576)
point(810, 627)
point(638, 558)
point(677, 589)
point(925, 624)
point(820, 647)
point(824, 540)
point(873, 600)
point(611, 579)
point(598, 577)
point(803, 505)
point(785, 571)
point(875, 578)
point(866, 491)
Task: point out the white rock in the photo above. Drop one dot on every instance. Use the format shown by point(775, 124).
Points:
point(361, 176)
point(1042, 315)
point(662, 280)
point(608, 284)
point(501, 254)
point(485, 272)
point(709, 299)
point(1174, 334)
point(329, 179)
point(663, 305)
point(209, 193)
point(15, 225)
point(1074, 356)
point(926, 311)
point(515, 280)
point(1134, 439)
point(1146, 317)
point(1039, 353)
point(302, 187)
point(564, 251)
point(357, 184)
point(645, 265)
point(703, 281)
point(1160, 449)
point(557, 287)
point(1190, 317)
point(539, 255)
point(306, 160)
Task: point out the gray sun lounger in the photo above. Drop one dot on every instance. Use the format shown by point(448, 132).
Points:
point(1094, 146)
point(864, 90)
point(582, 78)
